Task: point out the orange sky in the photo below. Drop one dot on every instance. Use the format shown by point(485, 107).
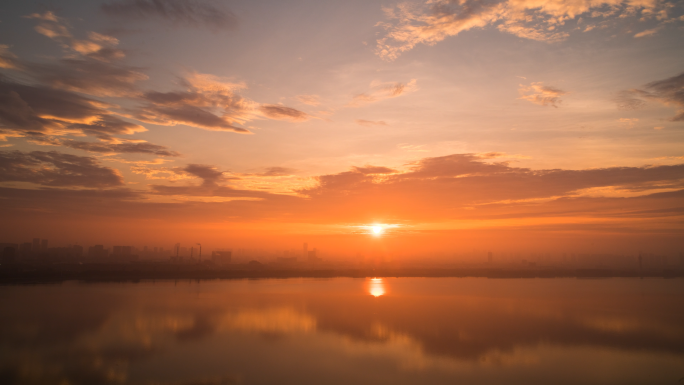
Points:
point(500, 125)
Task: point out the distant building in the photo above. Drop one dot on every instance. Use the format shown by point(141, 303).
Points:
point(311, 256)
point(77, 250)
point(122, 251)
point(43, 245)
point(305, 250)
point(26, 248)
point(8, 255)
point(97, 251)
point(36, 244)
point(221, 257)
point(15, 246)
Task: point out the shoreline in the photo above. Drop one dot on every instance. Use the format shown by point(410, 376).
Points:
point(131, 273)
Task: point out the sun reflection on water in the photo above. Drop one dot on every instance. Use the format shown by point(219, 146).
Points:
point(376, 287)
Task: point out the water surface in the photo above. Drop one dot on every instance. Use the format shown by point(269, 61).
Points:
point(345, 331)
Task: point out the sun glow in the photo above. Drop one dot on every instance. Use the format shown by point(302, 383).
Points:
point(376, 288)
point(376, 229)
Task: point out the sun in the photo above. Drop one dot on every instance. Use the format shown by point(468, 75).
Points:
point(377, 230)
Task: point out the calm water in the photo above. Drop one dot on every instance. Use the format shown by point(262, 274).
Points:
point(345, 331)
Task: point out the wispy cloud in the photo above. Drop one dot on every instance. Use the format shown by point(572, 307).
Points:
point(37, 109)
point(311, 100)
point(538, 93)
point(124, 147)
point(371, 170)
point(277, 171)
point(96, 46)
point(370, 123)
point(668, 91)
point(8, 60)
point(279, 112)
point(648, 32)
point(543, 20)
point(56, 169)
point(383, 90)
point(413, 147)
point(629, 122)
point(207, 101)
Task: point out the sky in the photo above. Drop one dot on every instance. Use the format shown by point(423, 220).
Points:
point(451, 125)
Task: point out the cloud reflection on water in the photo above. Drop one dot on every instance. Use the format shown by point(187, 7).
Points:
point(443, 329)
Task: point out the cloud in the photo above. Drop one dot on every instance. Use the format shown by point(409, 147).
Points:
point(494, 155)
point(8, 60)
point(96, 46)
point(99, 47)
point(433, 188)
point(42, 114)
point(630, 122)
point(629, 100)
point(436, 189)
point(209, 174)
point(413, 147)
point(279, 112)
point(56, 170)
point(51, 25)
point(213, 183)
point(370, 123)
point(669, 92)
point(204, 101)
point(179, 12)
point(88, 67)
point(369, 170)
point(648, 32)
point(538, 93)
point(277, 171)
point(208, 102)
point(210, 191)
point(379, 91)
point(170, 174)
point(90, 77)
point(37, 109)
point(127, 147)
point(312, 100)
point(542, 20)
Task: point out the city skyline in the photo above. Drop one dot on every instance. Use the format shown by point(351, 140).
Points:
point(38, 252)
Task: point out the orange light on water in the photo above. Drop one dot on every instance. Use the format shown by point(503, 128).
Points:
point(376, 287)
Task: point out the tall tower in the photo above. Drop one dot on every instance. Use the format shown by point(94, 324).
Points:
point(36, 244)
